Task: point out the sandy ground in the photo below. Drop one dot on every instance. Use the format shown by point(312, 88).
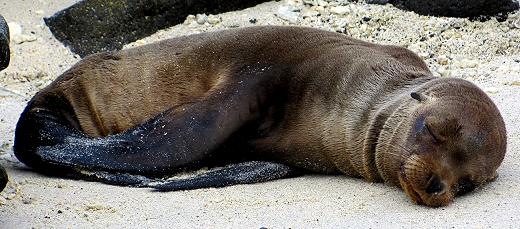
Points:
point(483, 52)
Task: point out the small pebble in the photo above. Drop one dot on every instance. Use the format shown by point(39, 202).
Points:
point(465, 63)
point(424, 55)
point(340, 10)
point(233, 24)
point(322, 3)
point(11, 196)
point(311, 2)
point(288, 15)
point(319, 8)
point(21, 38)
point(442, 60)
point(140, 42)
point(189, 19)
point(491, 90)
point(502, 69)
point(213, 19)
point(443, 71)
point(341, 23)
point(201, 18)
point(14, 28)
point(6, 157)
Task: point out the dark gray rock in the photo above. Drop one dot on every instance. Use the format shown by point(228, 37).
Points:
point(5, 53)
point(3, 178)
point(378, 1)
point(458, 8)
point(92, 26)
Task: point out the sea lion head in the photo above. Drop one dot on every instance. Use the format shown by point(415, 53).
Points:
point(452, 142)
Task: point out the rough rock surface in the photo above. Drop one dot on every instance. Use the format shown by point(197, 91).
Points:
point(92, 26)
point(5, 53)
point(458, 8)
point(4, 62)
point(3, 178)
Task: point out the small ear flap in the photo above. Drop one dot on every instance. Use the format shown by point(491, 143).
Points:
point(419, 96)
point(443, 128)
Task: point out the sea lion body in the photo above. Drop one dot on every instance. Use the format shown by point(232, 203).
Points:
point(300, 97)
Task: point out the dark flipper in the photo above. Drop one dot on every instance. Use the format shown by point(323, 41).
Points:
point(242, 173)
point(125, 179)
point(45, 140)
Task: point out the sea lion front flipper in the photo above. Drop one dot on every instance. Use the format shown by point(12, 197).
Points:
point(171, 140)
point(241, 173)
point(125, 179)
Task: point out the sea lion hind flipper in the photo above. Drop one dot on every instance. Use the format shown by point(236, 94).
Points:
point(169, 141)
point(41, 128)
point(241, 173)
point(45, 141)
point(49, 145)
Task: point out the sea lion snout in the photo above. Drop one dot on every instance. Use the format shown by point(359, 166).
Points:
point(430, 182)
point(426, 182)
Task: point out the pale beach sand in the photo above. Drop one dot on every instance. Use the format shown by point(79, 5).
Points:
point(487, 53)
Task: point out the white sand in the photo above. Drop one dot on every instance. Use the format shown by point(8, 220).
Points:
point(35, 201)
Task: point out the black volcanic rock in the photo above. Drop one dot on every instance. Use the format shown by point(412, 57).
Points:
point(5, 53)
point(458, 8)
point(92, 26)
point(3, 178)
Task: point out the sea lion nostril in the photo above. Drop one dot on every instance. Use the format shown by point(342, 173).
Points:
point(435, 185)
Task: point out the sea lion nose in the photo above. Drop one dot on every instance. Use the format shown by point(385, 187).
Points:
point(435, 185)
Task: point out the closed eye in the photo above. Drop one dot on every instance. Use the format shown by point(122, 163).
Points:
point(425, 128)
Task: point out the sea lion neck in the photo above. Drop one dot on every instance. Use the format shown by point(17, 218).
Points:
point(386, 118)
point(372, 108)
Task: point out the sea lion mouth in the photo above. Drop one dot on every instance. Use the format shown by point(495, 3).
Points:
point(429, 190)
point(407, 187)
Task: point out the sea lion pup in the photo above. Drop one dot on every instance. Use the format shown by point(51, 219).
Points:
point(268, 101)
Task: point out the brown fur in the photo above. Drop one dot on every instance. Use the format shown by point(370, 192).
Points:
point(347, 106)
